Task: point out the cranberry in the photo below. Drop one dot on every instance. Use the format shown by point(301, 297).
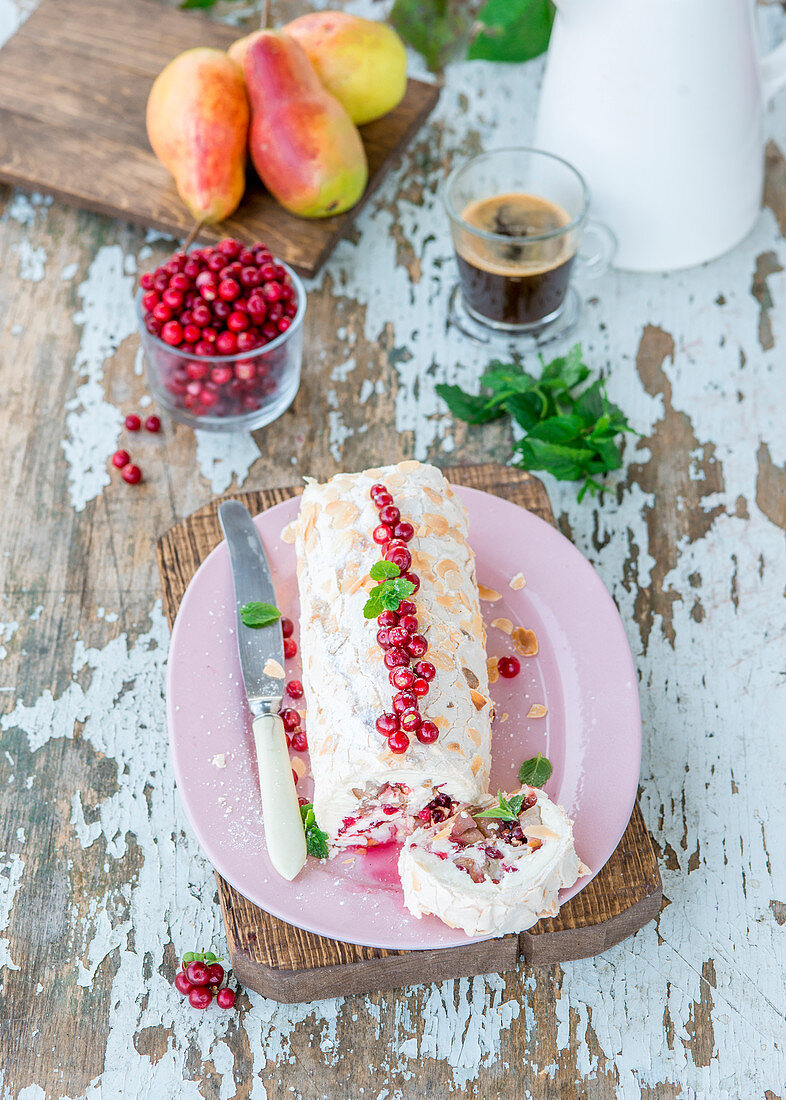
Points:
point(414, 579)
point(383, 638)
point(404, 531)
point(287, 628)
point(191, 333)
point(271, 292)
point(383, 499)
point(197, 973)
point(410, 721)
point(405, 700)
point(291, 719)
point(204, 348)
point(146, 280)
point(508, 667)
point(396, 658)
point(420, 687)
point(389, 514)
point(400, 556)
point(299, 742)
point(201, 314)
point(246, 372)
point(382, 534)
point(132, 423)
point(121, 459)
point(387, 723)
point(160, 281)
point(208, 398)
point(226, 343)
point(417, 645)
point(375, 489)
point(200, 998)
point(409, 623)
point(172, 298)
point(216, 262)
point(225, 998)
point(229, 247)
point(220, 375)
point(427, 733)
point(246, 341)
point(131, 474)
point(150, 300)
point(398, 742)
point(402, 678)
point(215, 973)
point(182, 984)
point(397, 635)
point(162, 312)
point(295, 689)
point(387, 618)
point(407, 607)
point(251, 277)
point(426, 670)
point(237, 321)
point(290, 647)
point(269, 331)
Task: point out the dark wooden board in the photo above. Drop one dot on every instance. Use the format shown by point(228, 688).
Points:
point(74, 82)
point(289, 964)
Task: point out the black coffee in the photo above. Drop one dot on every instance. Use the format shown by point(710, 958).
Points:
point(516, 282)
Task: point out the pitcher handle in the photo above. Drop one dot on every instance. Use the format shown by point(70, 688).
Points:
point(773, 71)
point(596, 251)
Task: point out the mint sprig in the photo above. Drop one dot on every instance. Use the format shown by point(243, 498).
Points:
point(388, 595)
point(569, 432)
point(507, 808)
point(536, 771)
point(316, 839)
point(200, 956)
point(257, 614)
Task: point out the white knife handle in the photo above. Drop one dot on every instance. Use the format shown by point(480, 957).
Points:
point(286, 841)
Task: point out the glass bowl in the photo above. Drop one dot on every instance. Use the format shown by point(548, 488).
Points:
point(227, 393)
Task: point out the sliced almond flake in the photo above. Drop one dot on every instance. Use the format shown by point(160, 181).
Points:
point(540, 832)
point(273, 669)
point(537, 710)
point(436, 523)
point(489, 594)
point(219, 760)
point(493, 671)
point(517, 582)
point(525, 641)
point(289, 533)
point(503, 624)
point(432, 494)
point(479, 700)
point(342, 512)
point(299, 765)
point(504, 718)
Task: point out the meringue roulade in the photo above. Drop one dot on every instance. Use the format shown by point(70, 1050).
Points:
point(491, 875)
point(379, 760)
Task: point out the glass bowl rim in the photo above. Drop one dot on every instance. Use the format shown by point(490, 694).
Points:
point(253, 353)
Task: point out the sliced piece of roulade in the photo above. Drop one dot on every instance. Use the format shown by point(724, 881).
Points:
point(367, 786)
point(490, 875)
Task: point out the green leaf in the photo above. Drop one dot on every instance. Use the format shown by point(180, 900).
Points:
point(432, 27)
point(387, 596)
point(568, 369)
point(525, 408)
point(536, 771)
point(512, 30)
point(381, 570)
point(502, 379)
point(590, 405)
point(558, 429)
point(257, 614)
point(374, 605)
point(466, 406)
point(562, 462)
point(503, 810)
point(189, 956)
point(608, 453)
point(316, 839)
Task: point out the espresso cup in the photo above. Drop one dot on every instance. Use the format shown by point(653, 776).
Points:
point(520, 227)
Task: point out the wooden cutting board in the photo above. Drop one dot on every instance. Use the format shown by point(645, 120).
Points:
point(74, 82)
point(291, 965)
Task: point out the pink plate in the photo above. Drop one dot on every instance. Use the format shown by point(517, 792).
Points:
point(583, 673)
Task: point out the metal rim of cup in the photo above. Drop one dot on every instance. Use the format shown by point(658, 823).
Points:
point(503, 238)
point(253, 353)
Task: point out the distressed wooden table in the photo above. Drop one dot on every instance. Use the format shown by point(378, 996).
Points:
point(102, 885)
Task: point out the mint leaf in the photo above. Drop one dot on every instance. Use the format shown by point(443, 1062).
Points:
point(257, 615)
point(432, 27)
point(381, 570)
point(374, 605)
point(535, 772)
point(316, 839)
point(512, 30)
point(558, 429)
point(503, 810)
point(562, 462)
point(475, 410)
point(387, 596)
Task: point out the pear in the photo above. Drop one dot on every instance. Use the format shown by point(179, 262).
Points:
point(197, 124)
point(304, 145)
point(361, 62)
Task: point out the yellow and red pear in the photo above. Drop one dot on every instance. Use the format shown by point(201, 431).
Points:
point(362, 62)
point(304, 145)
point(197, 123)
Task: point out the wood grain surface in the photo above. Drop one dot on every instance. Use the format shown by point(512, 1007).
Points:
point(291, 964)
point(77, 130)
point(102, 884)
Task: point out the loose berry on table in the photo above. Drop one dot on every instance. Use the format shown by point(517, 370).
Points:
point(197, 973)
point(295, 689)
point(182, 984)
point(132, 423)
point(291, 719)
point(200, 997)
point(508, 667)
point(299, 742)
point(287, 628)
point(215, 973)
point(225, 998)
point(130, 473)
point(153, 424)
point(290, 647)
point(121, 459)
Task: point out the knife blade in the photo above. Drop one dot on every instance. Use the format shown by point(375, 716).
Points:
point(261, 652)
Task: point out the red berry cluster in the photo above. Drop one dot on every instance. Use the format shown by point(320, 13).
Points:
point(398, 636)
point(225, 300)
point(201, 978)
point(122, 459)
point(293, 727)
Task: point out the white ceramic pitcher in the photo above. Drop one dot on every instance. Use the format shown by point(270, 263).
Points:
point(660, 105)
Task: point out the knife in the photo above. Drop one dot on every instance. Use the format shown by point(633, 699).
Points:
point(261, 650)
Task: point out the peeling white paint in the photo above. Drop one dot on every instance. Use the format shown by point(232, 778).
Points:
point(68, 272)
point(11, 869)
point(32, 261)
point(224, 457)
